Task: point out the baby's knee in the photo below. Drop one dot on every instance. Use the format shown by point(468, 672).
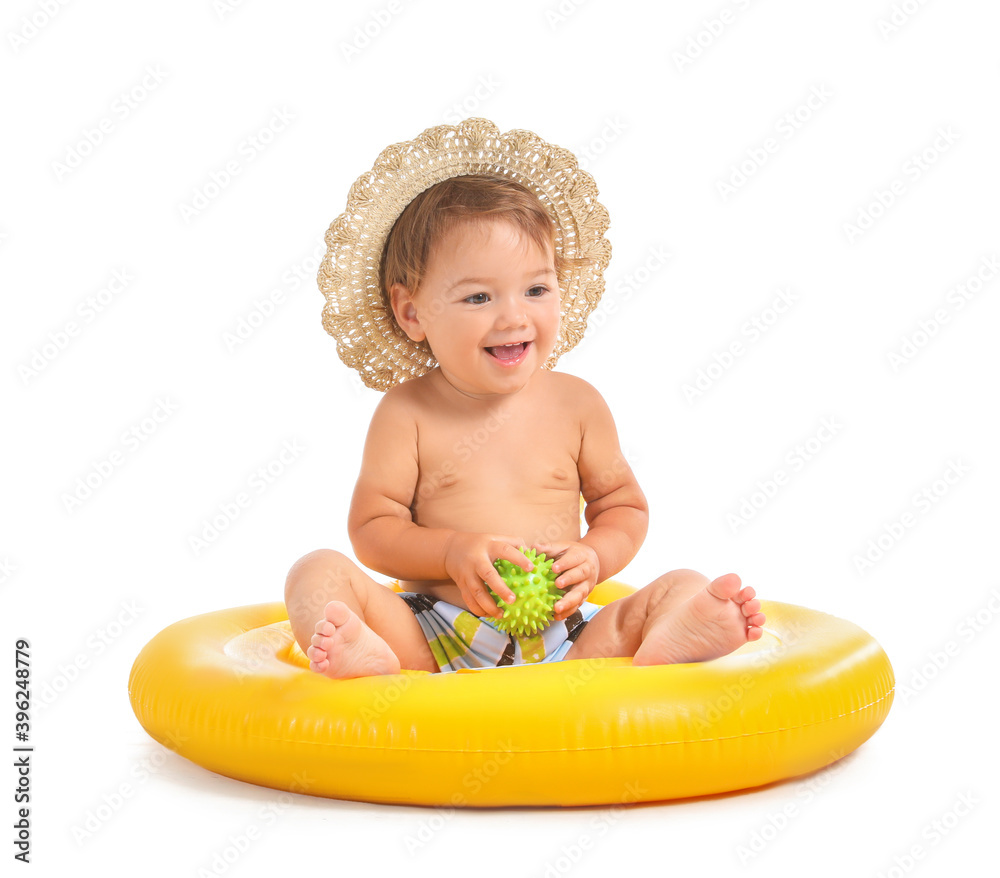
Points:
point(320, 567)
point(680, 578)
point(672, 588)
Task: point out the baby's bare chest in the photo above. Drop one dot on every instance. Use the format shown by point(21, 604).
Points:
point(469, 467)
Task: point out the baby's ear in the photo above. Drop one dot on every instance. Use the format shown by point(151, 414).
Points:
point(405, 312)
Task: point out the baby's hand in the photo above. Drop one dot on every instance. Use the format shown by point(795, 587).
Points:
point(469, 561)
point(577, 566)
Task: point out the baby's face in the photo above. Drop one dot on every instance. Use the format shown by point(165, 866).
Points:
point(488, 307)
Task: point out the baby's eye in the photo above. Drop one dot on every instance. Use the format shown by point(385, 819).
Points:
point(535, 292)
point(477, 299)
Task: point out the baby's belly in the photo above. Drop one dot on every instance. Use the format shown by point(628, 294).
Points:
point(554, 518)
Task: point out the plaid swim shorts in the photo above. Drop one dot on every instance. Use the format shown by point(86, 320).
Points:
point(458, 639)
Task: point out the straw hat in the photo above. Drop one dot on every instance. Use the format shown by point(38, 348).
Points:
point(357, 312)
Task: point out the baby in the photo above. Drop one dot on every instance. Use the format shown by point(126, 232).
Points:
point(487, 452)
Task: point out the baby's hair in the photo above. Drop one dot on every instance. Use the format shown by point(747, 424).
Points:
point(437, 210)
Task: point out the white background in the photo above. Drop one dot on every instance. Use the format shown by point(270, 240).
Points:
point(92, 581)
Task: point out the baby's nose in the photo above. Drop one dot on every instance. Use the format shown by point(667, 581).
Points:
point(511, 314)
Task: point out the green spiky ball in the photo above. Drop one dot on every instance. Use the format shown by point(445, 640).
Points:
point(535, 595)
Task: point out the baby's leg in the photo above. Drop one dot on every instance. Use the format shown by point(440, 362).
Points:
point(348, 624)
point(680, 617)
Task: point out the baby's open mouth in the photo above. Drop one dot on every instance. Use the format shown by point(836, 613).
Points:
point(509, 351)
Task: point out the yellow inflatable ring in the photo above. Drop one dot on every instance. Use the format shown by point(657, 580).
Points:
point(232, 692)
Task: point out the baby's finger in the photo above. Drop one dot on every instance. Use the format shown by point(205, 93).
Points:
point(569, 603)
point(495, 581)
point(489, 607)
point(515, 556)
point(561, 555)
point(567, 579)
point(481, 604)
point(551, 550)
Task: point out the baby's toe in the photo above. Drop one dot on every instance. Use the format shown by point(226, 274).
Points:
point(726, 587)
point(757, 620)
point(751, 608)
point(337, 613)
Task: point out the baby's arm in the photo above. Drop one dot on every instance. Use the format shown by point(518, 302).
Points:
point(379, 523)
point(381, 527)
point(616, 510)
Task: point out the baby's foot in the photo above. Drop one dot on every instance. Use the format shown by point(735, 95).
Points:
point(712, 623)
point(344, 646)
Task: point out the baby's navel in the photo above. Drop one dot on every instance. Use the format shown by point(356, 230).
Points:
point(560, 474)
